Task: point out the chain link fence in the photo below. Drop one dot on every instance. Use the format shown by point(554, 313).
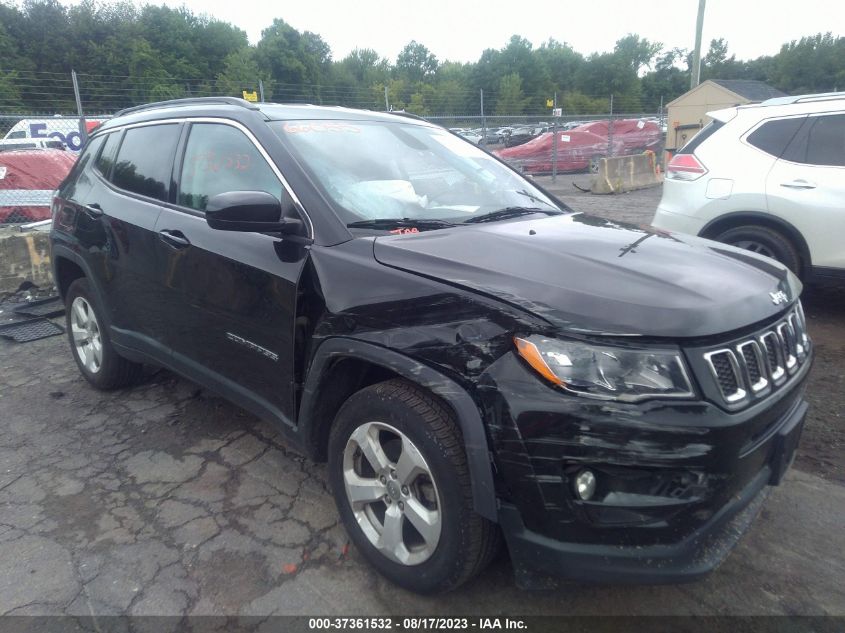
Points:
point(537, 143)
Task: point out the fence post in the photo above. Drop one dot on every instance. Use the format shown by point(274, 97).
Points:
point(554, 140)
point(83, 129)
point(483, 118)
point(610, 130)
point(261, 90)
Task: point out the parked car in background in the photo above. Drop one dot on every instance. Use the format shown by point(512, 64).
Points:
point(28, 179)
point(520, 135)
point(577, 150)
point(472, 137)
point(7, 145)
point(637, 135)
point(769, 178)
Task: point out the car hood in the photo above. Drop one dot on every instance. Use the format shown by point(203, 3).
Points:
point(586, 274)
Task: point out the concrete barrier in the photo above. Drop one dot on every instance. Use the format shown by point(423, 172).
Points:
point(626, 173)
point(23, 257)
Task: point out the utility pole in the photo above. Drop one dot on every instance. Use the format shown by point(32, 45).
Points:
point(261, 90)
point(695, 77)
point(386, 102)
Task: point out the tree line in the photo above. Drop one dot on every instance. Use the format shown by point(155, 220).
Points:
point(126, 55)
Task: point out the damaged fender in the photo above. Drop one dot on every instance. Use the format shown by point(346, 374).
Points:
point(466, 412)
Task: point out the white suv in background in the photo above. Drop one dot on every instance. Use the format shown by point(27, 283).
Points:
point(768, 177)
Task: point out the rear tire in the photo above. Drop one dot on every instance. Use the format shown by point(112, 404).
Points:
point(376, 434)
point(764, 241)
point(89, 341)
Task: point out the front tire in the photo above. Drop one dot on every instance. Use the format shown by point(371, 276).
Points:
point(764, 241)
point(89, 341)
point(401, 484)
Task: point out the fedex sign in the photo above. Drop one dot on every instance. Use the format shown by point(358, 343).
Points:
point(64, 130)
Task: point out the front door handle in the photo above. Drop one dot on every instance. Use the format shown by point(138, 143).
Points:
point(799, 183)
point(174, 238)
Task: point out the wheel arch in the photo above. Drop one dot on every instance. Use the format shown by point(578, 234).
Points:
point(723, 223)
point(341, 367)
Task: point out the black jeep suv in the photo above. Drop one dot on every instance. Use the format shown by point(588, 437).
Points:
point(473, 359)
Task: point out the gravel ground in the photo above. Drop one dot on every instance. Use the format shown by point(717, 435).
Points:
point(164, 499)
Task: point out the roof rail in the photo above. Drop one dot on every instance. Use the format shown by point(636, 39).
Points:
point(174, 103)
point(407, 115)
point(822, 96)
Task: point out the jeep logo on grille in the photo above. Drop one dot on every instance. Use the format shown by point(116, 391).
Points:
point(778, 297)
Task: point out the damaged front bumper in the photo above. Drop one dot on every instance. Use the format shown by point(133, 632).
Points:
point(677, 483)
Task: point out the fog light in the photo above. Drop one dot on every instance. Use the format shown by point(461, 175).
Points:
point(585, 485)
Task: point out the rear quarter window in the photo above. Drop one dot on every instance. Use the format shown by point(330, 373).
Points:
point(774, 136)
point(105, 160)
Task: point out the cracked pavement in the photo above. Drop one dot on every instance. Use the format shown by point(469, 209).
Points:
point(165, 499)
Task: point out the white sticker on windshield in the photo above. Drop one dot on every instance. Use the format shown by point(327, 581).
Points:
point(2, 172)
point(640, 124)
point(564, 138)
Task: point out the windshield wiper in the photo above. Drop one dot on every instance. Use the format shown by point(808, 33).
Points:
point(399, 223)
point(510, 212)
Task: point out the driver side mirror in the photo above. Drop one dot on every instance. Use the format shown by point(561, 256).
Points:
point(250, 211)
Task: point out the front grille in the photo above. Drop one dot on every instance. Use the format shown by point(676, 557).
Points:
point(755, 365)
point(725, 371)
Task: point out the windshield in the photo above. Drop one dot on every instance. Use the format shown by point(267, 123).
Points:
point(381, 170)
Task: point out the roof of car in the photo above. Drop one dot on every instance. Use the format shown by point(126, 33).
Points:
point(271, 111)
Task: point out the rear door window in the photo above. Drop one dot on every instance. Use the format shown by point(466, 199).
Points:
point(821, 141)
point(826, 141)
point(145, 159)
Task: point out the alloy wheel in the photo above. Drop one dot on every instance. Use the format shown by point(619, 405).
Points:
point(392, 493)
point(755, 247)
point(87, 339)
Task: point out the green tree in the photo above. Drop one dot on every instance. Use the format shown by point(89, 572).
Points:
point(811, 64)
point(510, 99)
point(669, 79)
point(241, 72)
point(415, 63)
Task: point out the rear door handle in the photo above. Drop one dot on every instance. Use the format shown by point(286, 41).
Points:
point(799, 184)
point(93, 209)
point(175, 238)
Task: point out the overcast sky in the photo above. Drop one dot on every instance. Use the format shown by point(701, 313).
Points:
point(460, 30)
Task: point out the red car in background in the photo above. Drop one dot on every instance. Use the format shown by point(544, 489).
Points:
point(581, 148)
point(637, 135)
point(27, 181)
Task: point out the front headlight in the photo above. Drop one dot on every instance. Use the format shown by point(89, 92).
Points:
point(608, 373)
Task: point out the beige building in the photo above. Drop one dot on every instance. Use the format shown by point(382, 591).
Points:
point(687, 114)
